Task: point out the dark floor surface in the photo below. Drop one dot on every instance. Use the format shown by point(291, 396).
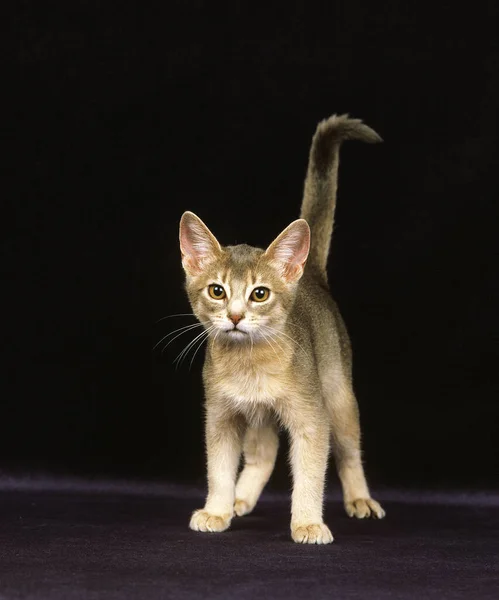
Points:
point(68, 540)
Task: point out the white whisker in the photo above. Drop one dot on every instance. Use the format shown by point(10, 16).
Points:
point(273, 338)
point(281, 333)
point(271, 345)
point(181, 329)
point(215, 338)
point(185, 351)
point(199, 346)
point(177, 315)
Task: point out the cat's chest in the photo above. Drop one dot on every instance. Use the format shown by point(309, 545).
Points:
point(247, 383)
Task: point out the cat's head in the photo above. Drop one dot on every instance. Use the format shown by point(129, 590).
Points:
point(241, 292)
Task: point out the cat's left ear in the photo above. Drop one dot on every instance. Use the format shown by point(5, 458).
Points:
point(289, 251)
point(197, 244)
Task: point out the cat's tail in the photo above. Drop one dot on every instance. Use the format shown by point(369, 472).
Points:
point(319, 199)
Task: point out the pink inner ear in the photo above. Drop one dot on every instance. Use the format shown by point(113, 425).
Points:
point(197, 244)
point(290, 249)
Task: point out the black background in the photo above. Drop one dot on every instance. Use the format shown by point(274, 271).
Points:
point(122, 116)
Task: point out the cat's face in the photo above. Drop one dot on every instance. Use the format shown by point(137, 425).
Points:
point(239, 292)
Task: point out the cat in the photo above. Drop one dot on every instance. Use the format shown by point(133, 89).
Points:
point(278, 354)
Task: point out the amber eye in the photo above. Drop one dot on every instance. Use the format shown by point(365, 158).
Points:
point(260, 294)
point(216, 291)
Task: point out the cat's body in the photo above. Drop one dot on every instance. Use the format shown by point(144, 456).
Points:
point(278, 354)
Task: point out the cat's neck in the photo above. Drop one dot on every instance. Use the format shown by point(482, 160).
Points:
point(262, 352)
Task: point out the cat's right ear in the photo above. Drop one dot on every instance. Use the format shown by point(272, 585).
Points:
point(197, 244)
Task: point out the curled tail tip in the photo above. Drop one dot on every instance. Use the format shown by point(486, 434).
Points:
point(338, 128)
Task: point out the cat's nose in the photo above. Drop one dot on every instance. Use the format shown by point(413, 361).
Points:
point(235, 318)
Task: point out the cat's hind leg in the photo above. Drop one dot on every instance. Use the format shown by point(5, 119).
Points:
point(260, 451)
point(345, 429)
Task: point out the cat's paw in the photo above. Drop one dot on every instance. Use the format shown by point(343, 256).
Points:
point(204, 521)
point(241, 507)
point(317, 533)
point(363, 508)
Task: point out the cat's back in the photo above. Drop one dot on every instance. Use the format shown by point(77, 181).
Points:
point(316, 318)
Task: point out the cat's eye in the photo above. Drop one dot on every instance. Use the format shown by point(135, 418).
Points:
point(216, 291)
point(260, 294)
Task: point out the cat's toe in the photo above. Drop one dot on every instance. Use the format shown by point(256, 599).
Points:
point(241, 508)
point(204, 521)
point(317, 533)
point(363, 508)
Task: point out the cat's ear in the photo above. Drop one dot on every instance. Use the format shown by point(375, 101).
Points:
point(289, 251)
point(197, 244)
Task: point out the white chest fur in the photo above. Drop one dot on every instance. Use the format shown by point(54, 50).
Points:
point(247, 382)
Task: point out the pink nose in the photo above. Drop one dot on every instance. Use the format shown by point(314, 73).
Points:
point(235, 318)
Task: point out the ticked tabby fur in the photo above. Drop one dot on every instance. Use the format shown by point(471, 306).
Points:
point(278, 355)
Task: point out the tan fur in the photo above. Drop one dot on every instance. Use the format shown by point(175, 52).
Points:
point(290, 365)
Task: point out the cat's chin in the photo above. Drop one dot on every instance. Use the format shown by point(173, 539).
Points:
point(236, 335)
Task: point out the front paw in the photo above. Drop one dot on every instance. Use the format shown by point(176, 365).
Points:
point(317, 533)
point(204, 521)
point(363, 508)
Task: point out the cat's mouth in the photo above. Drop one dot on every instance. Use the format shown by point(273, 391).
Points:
point(235, 332)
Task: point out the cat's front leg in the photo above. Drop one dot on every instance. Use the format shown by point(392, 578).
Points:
point(309, 456)
point(223, 447)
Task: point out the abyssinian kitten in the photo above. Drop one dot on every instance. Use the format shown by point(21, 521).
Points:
point(278, 354)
